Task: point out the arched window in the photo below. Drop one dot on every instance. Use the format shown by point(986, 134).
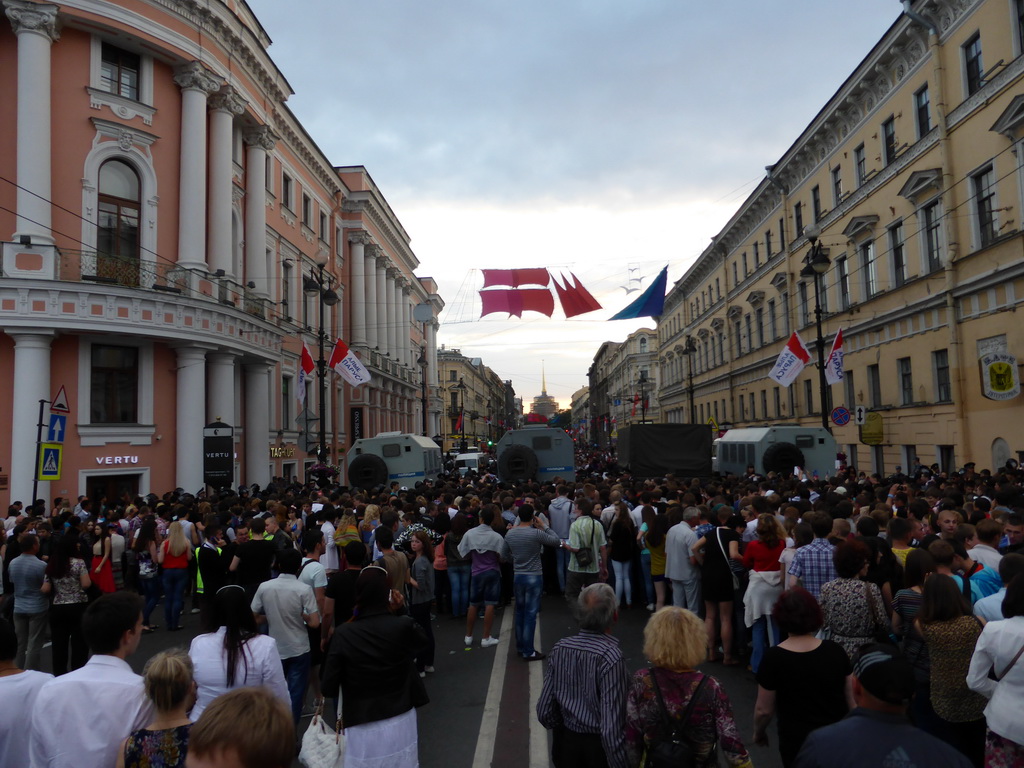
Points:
point(117, 242)
point(643, 344)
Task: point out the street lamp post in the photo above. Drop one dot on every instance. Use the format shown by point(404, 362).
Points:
point(461, 388)
point(319, 284)
point(817, 265)
point(642, 381)
point(690, 349)
point(422, 362)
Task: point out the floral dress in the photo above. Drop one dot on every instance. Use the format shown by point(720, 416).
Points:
point(157, 749)
point(710, 722)
point(950, 647)
point(853, 611)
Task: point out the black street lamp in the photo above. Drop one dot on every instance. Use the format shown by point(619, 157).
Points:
point(319, 284)
point(817, 265)
point(461, 389)
point(642, 381)
point(422, 362)
point(690, 349)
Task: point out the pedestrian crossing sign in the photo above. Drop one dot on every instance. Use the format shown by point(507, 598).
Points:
point(51, 455)
point(712, 423)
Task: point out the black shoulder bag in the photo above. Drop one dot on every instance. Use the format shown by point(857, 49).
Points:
point(585, 555)
point(673, 750)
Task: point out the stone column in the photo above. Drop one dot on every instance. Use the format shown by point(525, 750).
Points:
point(370, 273)
point(31, 377)
point(358, 240)
point(392, 292)
point(196, 83)
point(404, 330)
point(220, 403)
point(258, 142)
point(224, 105)
point(36, 28)
point(191, 415)
point(257, 424)
point(382, 303)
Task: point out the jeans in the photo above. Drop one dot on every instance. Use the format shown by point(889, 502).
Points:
point(764, 638)
point(528, 588)
point(30, 629)
point(645, 566)
point(65, 631)
point(623, 587)
point(151, 593)
point(458, 575)
point(296, 675)
point(175, 580)
point(562, 556)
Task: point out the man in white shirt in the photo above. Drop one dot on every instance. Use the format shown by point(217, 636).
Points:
point(289, 607)
point(18, 691)
point(680, 564)
point(95, 707)
point(313, 574)
point(331, 560)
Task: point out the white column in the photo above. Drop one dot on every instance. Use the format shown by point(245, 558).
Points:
point(31, 377)
point(257, 424)
point(405, 319)
point(392, 294)
point(196, 82)
point(358, 240)
point(36, 28)
point(224, 105)
point(220, 405)
point(259, 141)
point(191, 414)
point(370, 273)
point(382, 304)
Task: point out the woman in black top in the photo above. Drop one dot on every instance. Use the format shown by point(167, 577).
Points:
point(715, 550)
point(622, 536)
point(802, 679)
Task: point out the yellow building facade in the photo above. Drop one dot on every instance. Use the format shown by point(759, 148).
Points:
point(913, 173)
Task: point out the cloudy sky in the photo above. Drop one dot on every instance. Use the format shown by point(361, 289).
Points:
point(584, 135)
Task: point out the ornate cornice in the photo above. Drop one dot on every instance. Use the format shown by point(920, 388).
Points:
point(34, 18)
point(194, 76)
point(262, 137)
point(227, 100)
point(359, 237)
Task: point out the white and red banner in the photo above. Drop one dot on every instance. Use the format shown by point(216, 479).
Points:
point(792, 359)
point(834, 363)
point(348, 366)
point(306, 368)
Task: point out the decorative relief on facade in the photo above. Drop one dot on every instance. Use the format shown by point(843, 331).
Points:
point(194, 75)
point(126, 109)
point(227, 100)
point(261, 136)
point(32, 17)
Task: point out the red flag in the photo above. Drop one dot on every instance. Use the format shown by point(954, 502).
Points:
point(306, 367)
point(792, 359)
point(347, 365)
point(458, 425)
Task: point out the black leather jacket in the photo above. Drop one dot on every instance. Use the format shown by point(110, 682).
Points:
point(371, 659)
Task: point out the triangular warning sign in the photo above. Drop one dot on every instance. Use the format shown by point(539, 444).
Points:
point(50, 465)
point(59, 404)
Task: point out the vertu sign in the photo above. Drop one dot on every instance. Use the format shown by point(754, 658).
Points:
point(218, 454)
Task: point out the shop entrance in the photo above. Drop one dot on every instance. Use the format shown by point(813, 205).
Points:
point(113, 488)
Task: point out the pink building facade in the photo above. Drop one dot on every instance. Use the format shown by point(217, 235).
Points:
point(164, 219)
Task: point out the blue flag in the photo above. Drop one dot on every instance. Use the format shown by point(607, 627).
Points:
point(650, 303)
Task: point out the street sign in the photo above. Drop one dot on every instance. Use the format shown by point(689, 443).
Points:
point(51, 456)
point(59, 404)
point(860, 414)
point(57, 427)
point(218, 454)
point(873, 431)
point(840, 416)
point(713, 424)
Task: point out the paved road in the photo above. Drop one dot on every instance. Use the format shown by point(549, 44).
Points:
point(482, 699)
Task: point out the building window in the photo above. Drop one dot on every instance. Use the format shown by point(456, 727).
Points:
point(735, 274)
point(940, 366)
point(748, 321)
point(816, 202)
point(287, 190)
point(906, 381)
point(809, 396)
point(782, 235)
point(785, 314)
point(843, 279)
point(757, 255)
point(889, 140)
point(286, 402)
point(286, 290)
point(114, 395)
point(753, 410)
point(973, 66)
point(718, 290)
point(307, 211)
point(984, 205)
point(1019, 11)
point(922, 108)
point(930, 225)
point(899, 259)
point(870, 268)
point(805, 308)
point(746, 266)
point(738, 330)
point(851, 389)
point(773, 325)
point(117, 225)
point(323, 226)
point(837, 185)
point(739, 398)
point(764, 404)
point(798, 218)
point(268, 173)
point(119, 71)
point(860, 165)
point(777, 396)
point(759, 322)
point(767, 244)
point(874, 386)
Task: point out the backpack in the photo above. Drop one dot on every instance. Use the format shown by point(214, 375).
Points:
point(673, 750)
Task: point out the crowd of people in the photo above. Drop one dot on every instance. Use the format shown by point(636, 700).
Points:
point(863, 606)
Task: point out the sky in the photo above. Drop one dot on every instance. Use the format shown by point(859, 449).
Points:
point(606, 139)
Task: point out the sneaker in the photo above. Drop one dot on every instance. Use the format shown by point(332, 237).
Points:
point(195, 610)
point(650, 606)
point(429, 669)
point(537, 656)
point(423, 674)
point(488, 642)
point(468, 640)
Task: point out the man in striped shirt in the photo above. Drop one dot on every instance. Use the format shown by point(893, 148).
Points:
point(584, 695)
point(526, 541)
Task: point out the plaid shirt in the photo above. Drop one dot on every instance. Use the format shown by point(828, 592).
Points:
point(813, 566)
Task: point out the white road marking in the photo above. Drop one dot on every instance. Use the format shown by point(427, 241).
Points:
point(538, 733)
point(484, 754)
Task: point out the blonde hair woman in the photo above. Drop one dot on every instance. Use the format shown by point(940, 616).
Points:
point(675, 643)
point(174, 555)
point(164, 741)
point(371, 519)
